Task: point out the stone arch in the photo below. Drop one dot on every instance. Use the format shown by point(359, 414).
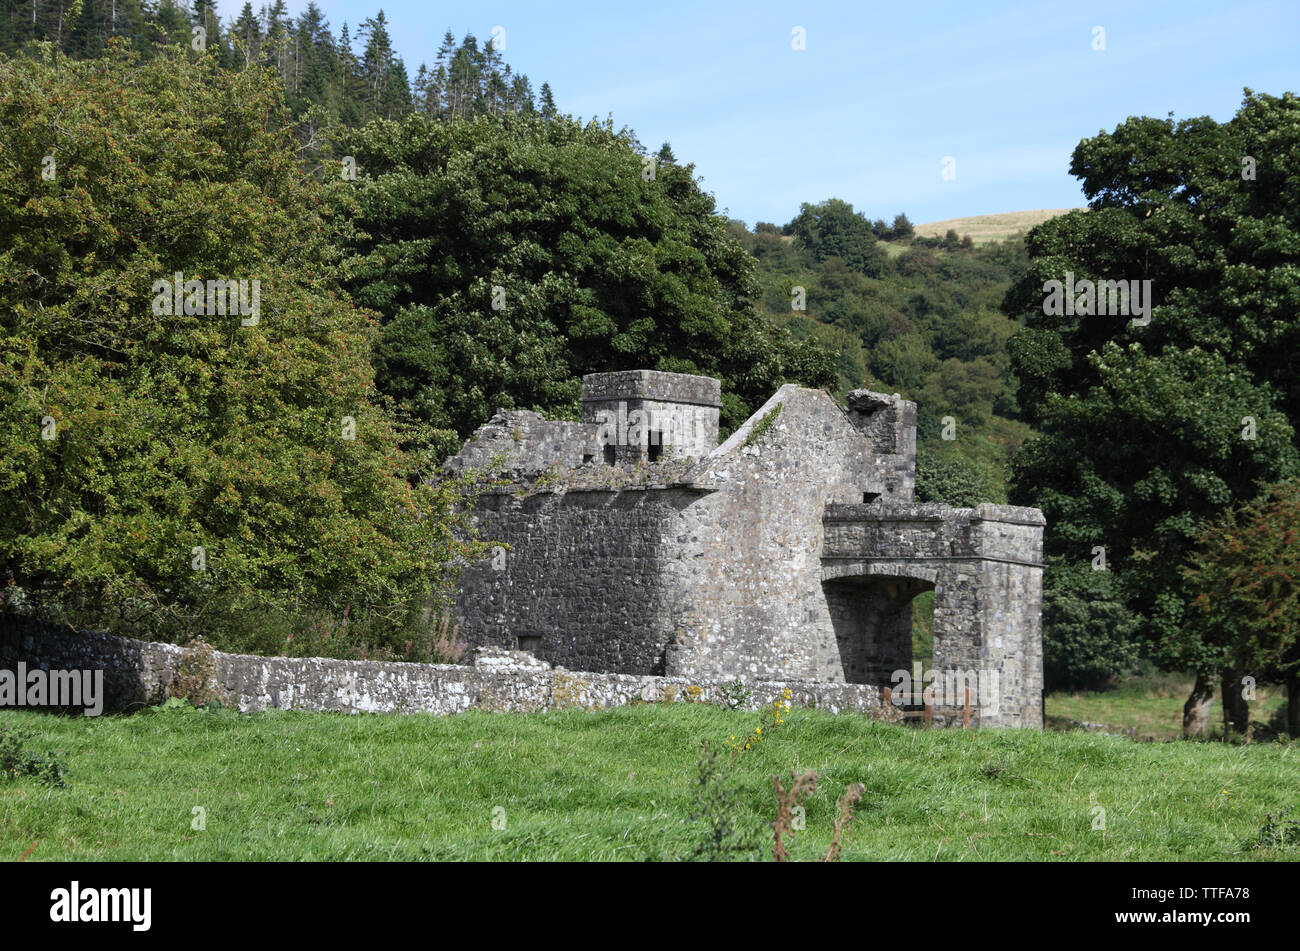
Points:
point(870, 603)
point(871, 619)
point(854, 568)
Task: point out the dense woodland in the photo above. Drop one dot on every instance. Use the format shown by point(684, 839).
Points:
point(352, 76)
point(915, 316)
point(429, 249)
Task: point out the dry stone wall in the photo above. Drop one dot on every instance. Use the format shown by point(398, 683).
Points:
point(141, 672)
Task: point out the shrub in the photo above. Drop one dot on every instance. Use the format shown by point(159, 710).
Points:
point(1087, 631)
point(16, 761)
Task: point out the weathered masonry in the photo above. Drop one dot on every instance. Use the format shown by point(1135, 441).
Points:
point(632, 542)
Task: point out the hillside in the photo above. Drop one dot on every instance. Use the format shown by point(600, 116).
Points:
point(984, 229)
point(907, 314)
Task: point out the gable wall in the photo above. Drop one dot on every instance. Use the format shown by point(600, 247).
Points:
point(747, 575)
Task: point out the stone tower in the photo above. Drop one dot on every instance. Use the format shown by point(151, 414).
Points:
point(643, 414)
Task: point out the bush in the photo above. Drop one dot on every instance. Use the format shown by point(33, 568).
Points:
point(952, 479)
point(1087, 631)
point(243, 624)
point(16, 761)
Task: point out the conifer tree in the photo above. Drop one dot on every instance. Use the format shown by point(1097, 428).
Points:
point(247, 30)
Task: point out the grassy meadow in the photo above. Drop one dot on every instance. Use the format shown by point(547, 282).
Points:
point(987, 228)
point(184, 784)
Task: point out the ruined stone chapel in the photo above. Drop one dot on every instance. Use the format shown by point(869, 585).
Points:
point(633, 542)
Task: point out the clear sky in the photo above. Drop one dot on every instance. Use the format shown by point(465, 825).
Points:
point(881, 94)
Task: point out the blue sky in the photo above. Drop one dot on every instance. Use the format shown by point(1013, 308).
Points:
point(881, 93)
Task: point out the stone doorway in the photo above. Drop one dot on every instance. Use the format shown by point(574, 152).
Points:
point(871, 616)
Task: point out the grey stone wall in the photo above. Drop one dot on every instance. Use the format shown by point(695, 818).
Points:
point(747, 569)
point(580, 577)
point(889, 422)
point(642, 412)
point(791, 551)
point(523, 443)
point(140, 672)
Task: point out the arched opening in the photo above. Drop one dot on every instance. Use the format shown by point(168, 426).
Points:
point(873, 622)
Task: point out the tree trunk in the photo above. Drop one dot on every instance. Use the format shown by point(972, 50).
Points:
point(1293, 704)
point(1196, 711)
point(1236, 709)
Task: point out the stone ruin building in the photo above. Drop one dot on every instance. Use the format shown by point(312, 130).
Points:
point(632, 542)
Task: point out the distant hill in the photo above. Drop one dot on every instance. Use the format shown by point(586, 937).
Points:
point(985, 228)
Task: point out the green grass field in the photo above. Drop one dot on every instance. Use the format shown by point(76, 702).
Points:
point(619, 784)
point(1153, 711)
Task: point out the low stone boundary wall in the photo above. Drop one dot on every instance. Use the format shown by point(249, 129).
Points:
point(142, 672)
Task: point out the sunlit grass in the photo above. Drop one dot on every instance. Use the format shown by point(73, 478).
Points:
point(617, 784)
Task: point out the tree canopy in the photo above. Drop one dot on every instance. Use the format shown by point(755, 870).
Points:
point(833, 229)
point(156, 462)
point(1149, 428)
point(509, 256)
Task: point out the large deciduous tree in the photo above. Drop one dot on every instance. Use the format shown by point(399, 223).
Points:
point(159, 464)
point(1150, 428)
point(510, 255)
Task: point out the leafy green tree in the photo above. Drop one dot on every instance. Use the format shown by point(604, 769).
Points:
point(1151, 427)
point(953, 479)
point(902, 229)
point(1244, 619)
point(833, 229)
point(904, 362)
point(966, 391)
point(157, 464)
point(1088, 633)
point(509, 256)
